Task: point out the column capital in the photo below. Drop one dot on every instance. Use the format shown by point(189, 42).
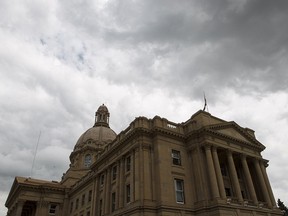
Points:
point(207, 147)
point(229, 152)
point(214, 148)
point(243, 156)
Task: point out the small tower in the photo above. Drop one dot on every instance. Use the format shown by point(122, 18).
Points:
point(102, 117)
point(89, 144)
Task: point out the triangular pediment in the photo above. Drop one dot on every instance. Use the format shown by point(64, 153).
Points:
point(233, 131)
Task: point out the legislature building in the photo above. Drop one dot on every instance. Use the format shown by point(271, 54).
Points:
point(204, 166)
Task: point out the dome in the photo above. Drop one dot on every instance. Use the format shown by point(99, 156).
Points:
point(100, 134)
point(96, 136)
point(103, 109)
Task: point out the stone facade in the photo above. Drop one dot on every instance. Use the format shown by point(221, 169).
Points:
point(204, 166)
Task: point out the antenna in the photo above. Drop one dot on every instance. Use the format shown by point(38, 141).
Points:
point(35, 153)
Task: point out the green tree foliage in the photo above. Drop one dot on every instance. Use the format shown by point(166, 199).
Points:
point(282, 207)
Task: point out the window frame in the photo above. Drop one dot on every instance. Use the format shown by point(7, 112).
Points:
point(71, 207)
point(83, 199)
point(102, 180)
point(114, 172)
point(54, 209)
point(113, 201)
point(179, 192)
point(77, 203)
point(128, 163)
point(176, 157)
point(87, 160)
point(128, 193)
point(89, 195)
point(100, 207)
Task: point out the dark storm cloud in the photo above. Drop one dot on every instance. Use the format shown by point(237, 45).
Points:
point(246, 40)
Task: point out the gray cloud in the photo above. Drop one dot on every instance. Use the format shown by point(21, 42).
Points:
point(60, 60)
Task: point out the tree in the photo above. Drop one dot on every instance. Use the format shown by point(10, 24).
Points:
point(282, 207)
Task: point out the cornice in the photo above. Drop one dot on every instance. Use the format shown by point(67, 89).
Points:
point(167, 132)
point(255, 144)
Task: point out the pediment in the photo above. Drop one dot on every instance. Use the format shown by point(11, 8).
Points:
point(233, 131)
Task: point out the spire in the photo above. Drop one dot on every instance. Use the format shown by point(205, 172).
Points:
point(102, 116)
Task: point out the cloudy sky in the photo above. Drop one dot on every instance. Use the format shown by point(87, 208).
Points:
point(60, 60)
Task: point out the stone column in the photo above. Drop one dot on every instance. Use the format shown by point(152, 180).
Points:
point(263, 168)
point(107, 192)
point(211, 172)
point(19, 207)
point(262, 183)
point(95, 195)
point(234, 177)
point(249, 179)
point(121, 183)
point(135, 175)
point(147, 183)
point(218, 173)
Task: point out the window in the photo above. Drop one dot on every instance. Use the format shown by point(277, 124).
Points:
point(71, 207)
point(100, 207)
point(114, 172)
point(128, 163)
point(179, 190)
point(176, 157)
point(83, 200)
point(128, 194)
point(102, 180)
point(113, 201)
point(52, 209)
point(77, 203)
point(90, 196)
point(87, 160)
point(88, 213)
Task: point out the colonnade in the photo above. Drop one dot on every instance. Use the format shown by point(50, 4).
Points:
point(216, 179)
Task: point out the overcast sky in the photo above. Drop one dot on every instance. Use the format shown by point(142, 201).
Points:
point(60, 60)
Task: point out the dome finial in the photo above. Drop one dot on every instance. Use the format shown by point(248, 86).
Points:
point(102, 116)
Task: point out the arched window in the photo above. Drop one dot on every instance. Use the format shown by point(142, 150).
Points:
point(87, 160)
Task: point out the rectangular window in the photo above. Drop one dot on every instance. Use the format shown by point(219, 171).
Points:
point(179, 190)
point(128, 194)
point(52, 209)
point(176, 157)
point(71, 207)
point(128, 163)
point(88, 213)
point(113, 201)
point(102, 178)
point(100, 207)
point(114, 172)
point(83, 200)
point(77, 203)
point(90, 196)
